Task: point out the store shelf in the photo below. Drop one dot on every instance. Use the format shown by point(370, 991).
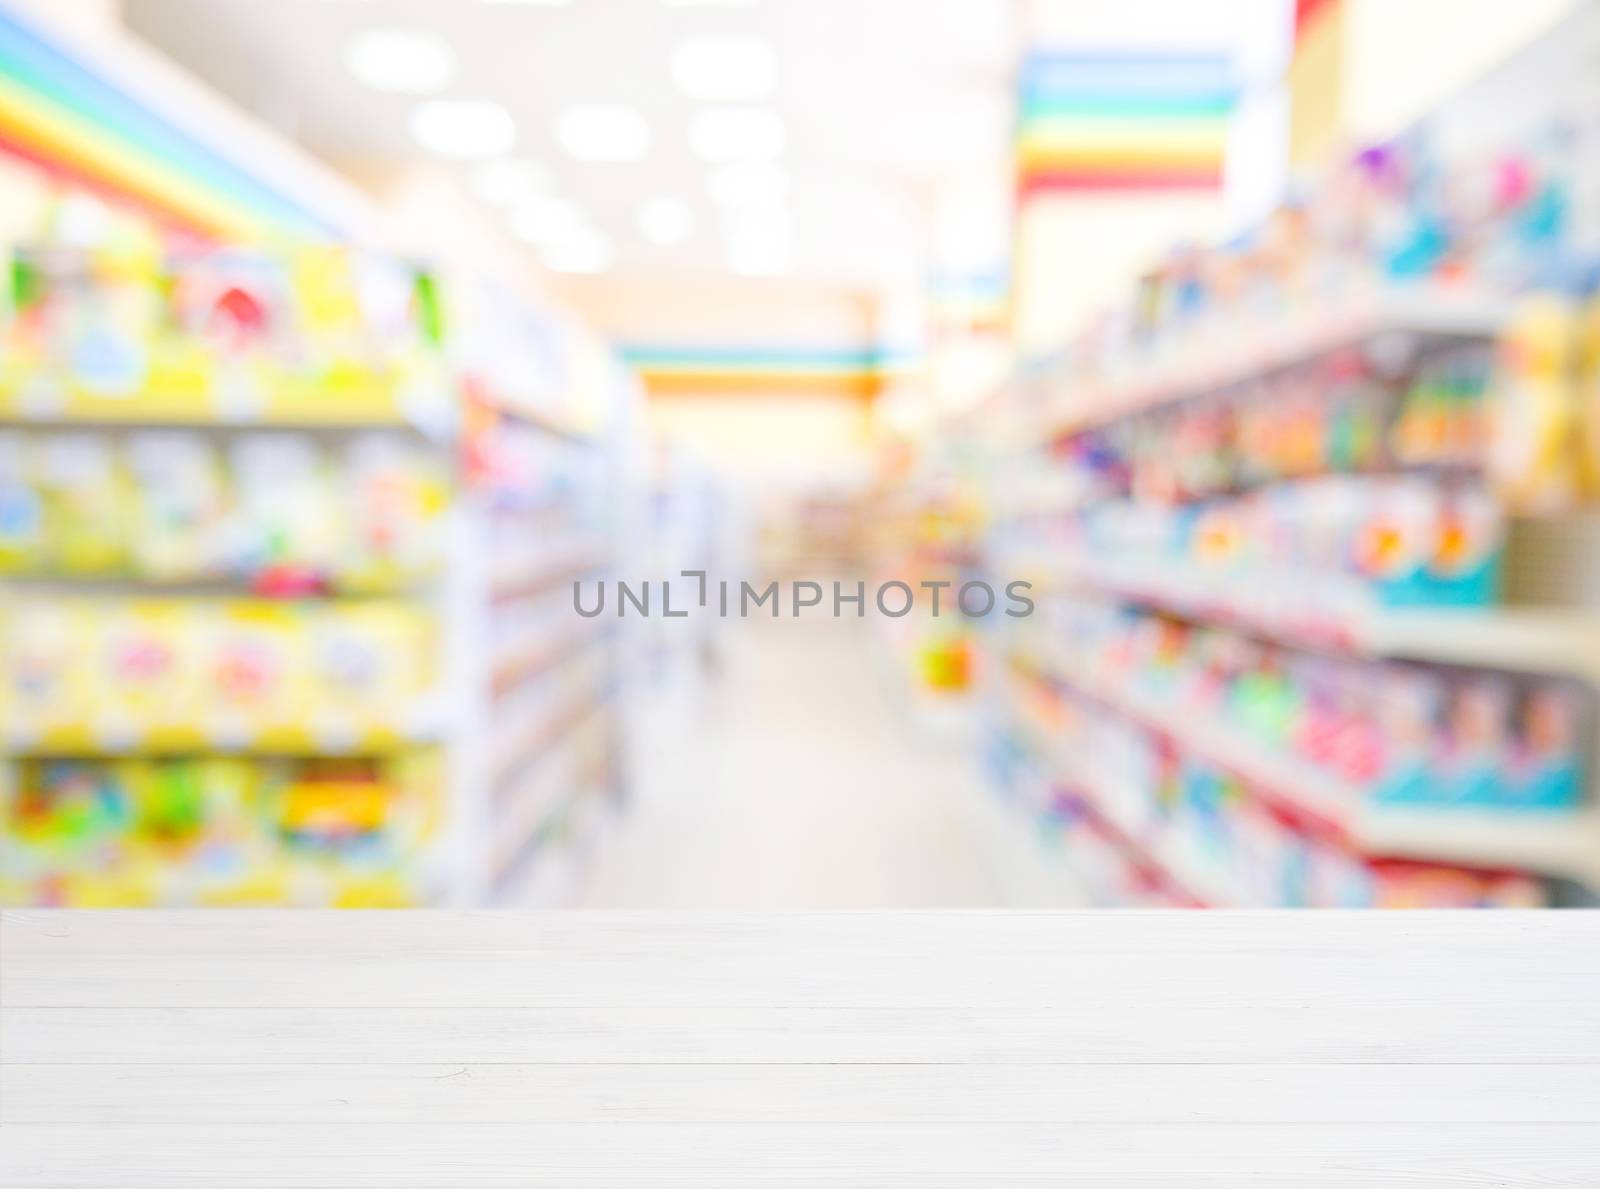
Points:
point(547, 650)
point(1559, 844)
point(523, 745)
point(1152, 867)
point(1555, 843)
point(280, 403)
point(526, 808)
point(1563, 641)
point(263, 587)
point(526, 579)
point(1528, 640)
point(1216, 359)
point(328, 735)
point(553, 424)
point(1305, 791)
point(1144, 840)
point(335, 409)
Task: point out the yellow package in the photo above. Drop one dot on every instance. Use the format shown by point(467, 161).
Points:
point(145, 673)
point(329, 306)
point(1533, 441)
point(22, 540)
point(46, 658)
point(253, 666)
point(84, 498)
point(369, 661)
point(1588, 388)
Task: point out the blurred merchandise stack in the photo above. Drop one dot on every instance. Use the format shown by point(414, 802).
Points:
point(287, 535)
point(241, 525)
point(811, 530)
point(679, 543)
point(225, 491)
point(1286, 513)
point(926, 521)
point(543, 509)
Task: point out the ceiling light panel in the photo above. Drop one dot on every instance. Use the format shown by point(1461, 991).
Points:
point(584, 251)
point(760, 243)
point(725, 67)
point(401, 61)
point(665, 221)
point(603, 132)
point(542, 219)
point(749, 184)
point(508, 180)
point(466, 128)
point(727, 134)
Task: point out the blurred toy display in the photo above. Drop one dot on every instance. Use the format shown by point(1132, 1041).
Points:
point(1203, 839)
point(233, 657)
point(128, 329)
point(1273, 449)
point(221, 830)
point(1396, 732)
point(217, 673)
point(1392, 217)
point(1321, 551)
point(927, 518)
point(181, 506)
point(1338, 414)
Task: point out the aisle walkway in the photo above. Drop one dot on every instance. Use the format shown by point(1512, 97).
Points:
point(801, 782)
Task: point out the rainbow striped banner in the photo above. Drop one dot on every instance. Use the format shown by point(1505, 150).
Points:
point(1123, 121)
point(69, 120)
point(764, 371)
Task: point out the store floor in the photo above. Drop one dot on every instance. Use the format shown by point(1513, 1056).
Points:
point(800, 778)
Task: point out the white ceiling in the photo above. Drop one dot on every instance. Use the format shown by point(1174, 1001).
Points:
point(886, 103)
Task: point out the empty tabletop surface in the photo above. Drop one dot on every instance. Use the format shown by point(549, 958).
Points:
point(893, 1050)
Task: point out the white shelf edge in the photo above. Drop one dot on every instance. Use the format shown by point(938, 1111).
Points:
point(1291, 341)
point(1524, 640)
point(1547, 843)
point(1531, 640)
point(1158, 846)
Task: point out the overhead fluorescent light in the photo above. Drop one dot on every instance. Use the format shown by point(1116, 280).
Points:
point(584, 251)
point(463, 127)
point(723, 134)
point(665, 221)
point(749, 184)
point(760, 244)
point(542, 219)
point(725, 67)
point(401, 61)
point(508, 180)
point(756, 259)
point(603, 132)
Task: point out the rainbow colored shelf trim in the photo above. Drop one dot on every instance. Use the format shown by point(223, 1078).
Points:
point(69, 119)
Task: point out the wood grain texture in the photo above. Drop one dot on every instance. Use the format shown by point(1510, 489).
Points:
point(928, 1049)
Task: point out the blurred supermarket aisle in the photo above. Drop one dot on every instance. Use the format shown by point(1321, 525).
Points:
point(333, 357)
point(800, 784)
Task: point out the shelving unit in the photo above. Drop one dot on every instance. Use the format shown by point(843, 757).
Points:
point(1202, 490)
point(332, 667)
point(1233, 351)
point(553, 737)
point(1564, 845)
point(1524, 639)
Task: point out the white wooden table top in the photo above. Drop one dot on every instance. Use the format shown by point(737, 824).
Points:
point(457, 1050)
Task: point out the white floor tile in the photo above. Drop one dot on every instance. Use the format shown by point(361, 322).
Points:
point(799, 783)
